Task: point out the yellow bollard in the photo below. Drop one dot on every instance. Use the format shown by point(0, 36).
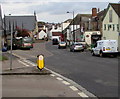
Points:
point(40, 61)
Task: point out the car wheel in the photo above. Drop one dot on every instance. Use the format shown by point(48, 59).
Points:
point(73, 50)
point(83, 50)
point(115, 55)
point(101, 54)
point(93, 53)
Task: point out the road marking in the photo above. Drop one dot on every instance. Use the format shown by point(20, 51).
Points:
point(65, 82)
point(82, 94)
point(18, 56)
point(52, 75)
point(23, 63)
point(58, 78)
point(29, 62)
point(73, 88)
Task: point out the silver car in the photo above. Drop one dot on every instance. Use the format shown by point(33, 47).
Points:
point(62, 45)
point(76, 47)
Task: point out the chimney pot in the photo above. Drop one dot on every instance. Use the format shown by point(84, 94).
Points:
point(94, 12)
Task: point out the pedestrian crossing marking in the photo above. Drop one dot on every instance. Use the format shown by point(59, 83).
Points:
point(73, 88)
point(59, 78)
point(82, 94)
point(65, 82)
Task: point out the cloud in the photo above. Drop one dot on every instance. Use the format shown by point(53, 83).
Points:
point(59, 1)
point(61, 8)
point(48, 10)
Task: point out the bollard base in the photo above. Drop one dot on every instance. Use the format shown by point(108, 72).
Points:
point(39, 68)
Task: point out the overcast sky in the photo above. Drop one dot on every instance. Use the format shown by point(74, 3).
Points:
point(52, 10)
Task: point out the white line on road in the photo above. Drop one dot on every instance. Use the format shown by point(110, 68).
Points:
point(52, 75)
point(65, 82)
point(73, 88)
point(82, 94)
point(18, 56)
point(58, 78)
point(29, 62)
point(23, 63)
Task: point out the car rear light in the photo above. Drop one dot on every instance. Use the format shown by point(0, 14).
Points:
point(103, 48)
point(22, 45)
point(32, 45)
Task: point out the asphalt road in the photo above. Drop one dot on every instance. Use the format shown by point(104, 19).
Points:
point(98, 75)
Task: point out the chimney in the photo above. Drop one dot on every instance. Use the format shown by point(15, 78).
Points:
point(94, 12)
point(98, 10)
point(53, 27)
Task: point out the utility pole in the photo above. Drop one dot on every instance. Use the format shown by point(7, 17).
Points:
point(73, 29)
point(11, 45)
point(73, 26)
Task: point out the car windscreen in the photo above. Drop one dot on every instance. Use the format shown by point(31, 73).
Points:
point(27, 40)
point(77, 44)
point(62, 42)
point(55, 39)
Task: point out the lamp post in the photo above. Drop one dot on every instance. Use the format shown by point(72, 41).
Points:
point(11, 31)
point(73, 25)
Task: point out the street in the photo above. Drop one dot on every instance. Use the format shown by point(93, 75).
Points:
point(97, 75)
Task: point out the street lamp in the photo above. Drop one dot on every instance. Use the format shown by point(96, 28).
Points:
point(73, 25)
point(89, 24)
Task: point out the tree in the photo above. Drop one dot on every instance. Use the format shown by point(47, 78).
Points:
point(22, 33)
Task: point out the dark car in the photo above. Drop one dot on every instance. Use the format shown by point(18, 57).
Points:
point(55, 41)
point(76, 46)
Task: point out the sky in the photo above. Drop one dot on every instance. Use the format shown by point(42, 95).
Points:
point(52, 11)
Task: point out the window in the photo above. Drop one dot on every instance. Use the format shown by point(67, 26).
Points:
point(113, 27)
point(104, 26)
point(117, 27)
point(110, 16)
point(108, 27)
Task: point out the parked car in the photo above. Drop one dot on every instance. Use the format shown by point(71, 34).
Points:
point(76, 46)
point(55, 41)
point(24, 42)
point(105, 47)
point(62, 45)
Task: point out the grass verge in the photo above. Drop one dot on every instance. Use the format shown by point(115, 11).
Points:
point(2, 58)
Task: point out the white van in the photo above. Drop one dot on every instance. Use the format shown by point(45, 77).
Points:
point(103, 47)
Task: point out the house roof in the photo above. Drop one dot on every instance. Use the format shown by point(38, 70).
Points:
point(101, 14)
point(25, 22)
point(69, 20)
point(79, 18)
point(116, 7)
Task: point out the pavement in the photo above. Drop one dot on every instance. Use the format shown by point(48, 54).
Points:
point(26, 80)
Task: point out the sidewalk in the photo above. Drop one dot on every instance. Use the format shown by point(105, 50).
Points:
point(25, 80)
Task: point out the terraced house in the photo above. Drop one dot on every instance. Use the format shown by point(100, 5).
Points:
point(111, 23)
